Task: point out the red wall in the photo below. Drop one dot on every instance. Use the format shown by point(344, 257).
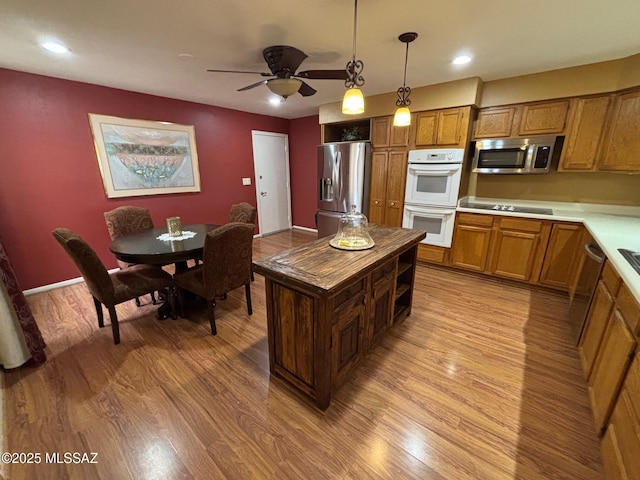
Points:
point(50, 177)
point(304, 136)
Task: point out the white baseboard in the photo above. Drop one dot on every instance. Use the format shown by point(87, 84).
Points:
point(52, 286)
point(306, 229)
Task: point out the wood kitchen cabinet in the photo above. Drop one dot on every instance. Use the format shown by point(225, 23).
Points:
point(538, 118)
point(385, 134)
point(346, 334)
point(621, 151)
point(382, 302)
point(544, 118)
point(562, 255)
point(598, 317)
point(495, 122)
point(621, 441)
point(442, 128)
point(517, 244)
point(583, 142)
point(610, 367)
point(386, 192)
point(471, 240)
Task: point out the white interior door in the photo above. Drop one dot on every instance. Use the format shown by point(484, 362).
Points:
point(273, 192)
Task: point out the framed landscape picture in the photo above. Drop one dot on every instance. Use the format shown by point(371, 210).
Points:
point(141, 157)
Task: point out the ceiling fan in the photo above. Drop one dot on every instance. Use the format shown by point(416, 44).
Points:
point(283, 61)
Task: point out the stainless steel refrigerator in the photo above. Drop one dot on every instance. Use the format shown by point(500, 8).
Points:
point(344, 171)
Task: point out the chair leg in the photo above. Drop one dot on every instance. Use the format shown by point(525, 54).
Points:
point(99, 312)
point(252, 278)
point(247, 293)
point(114, 324)
point(137, 302)
point(153, 298)
point(180, 298)
point(171, 300)
point(211, 306)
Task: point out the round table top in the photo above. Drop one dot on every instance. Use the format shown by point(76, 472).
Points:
point(144, 247)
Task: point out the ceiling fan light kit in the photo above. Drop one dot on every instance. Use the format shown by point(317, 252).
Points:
point(402, 117)
point(284, 86)
point(353, 101)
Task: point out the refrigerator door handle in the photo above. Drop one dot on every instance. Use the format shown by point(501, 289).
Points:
point(336, 175)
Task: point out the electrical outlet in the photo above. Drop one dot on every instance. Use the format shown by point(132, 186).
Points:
point(246, 181)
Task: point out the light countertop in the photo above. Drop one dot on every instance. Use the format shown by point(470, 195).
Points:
point(612, 226)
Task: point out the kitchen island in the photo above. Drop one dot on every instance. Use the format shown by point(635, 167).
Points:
point(326, 307)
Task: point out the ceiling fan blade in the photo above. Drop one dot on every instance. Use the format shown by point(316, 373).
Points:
point(306, 90)
point(241, 71)
point(283, 58)
point(323, 74)
point(253, 85)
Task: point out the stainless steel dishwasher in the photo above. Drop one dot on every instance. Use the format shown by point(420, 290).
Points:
point(586, 286)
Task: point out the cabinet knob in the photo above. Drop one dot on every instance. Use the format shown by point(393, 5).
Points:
point(376, 202)
point(393, 204)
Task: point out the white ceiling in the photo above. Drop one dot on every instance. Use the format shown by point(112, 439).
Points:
point(135, 45)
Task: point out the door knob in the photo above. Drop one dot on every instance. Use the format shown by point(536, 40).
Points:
point(263, 194)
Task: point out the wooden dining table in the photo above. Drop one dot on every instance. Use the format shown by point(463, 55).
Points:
point(146, 248)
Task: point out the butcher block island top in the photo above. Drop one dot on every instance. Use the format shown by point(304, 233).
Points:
point(326, 307)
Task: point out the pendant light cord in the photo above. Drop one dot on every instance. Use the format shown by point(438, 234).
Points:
point(406, 60)
point(355, 26)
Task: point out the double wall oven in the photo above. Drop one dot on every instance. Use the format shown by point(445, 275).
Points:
point(431, 195)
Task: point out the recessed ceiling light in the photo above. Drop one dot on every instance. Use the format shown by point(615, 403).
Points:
point(461, 60)
point(275, 100)
point(55, 47)
point(186, 56)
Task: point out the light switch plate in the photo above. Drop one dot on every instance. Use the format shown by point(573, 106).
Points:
point(246, 181)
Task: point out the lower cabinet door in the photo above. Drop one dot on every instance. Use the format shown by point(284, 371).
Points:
point(514, 254)
point(610, 368)
point(346, 341)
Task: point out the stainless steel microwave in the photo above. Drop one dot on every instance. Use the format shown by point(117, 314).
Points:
point(515, 155)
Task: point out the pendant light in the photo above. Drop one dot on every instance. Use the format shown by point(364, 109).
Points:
point(353, 101)
point(402, 117)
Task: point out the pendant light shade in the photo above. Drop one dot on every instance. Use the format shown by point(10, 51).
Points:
point(402, 118)
point(353, 101)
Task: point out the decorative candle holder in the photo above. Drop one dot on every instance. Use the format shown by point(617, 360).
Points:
point(174, 226)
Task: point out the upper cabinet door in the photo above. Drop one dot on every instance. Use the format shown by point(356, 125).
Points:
point(622, 141)
point(426, 128)
point(449, 126)
point(380, 131)
point(584, 139)
point(495, 122)
point(543, 118)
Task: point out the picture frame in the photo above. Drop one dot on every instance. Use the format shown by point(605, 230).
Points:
point(143, 157)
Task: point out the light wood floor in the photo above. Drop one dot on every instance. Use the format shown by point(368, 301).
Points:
point(482, 381)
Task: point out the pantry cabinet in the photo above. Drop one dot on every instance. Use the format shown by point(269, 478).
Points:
point(584, 140)
point(442, 128)
point(621, 151)
point(386, 192)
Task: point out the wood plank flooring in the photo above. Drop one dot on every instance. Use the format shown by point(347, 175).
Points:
point(482, 381)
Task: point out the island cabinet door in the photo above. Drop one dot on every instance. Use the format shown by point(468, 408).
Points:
point(347, 339)
point(381, 305)
point(292, 335)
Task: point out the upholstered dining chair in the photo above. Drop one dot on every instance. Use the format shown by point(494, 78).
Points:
point(125, 221)
point(112, 289)
point(243, 212)
point(226, 265)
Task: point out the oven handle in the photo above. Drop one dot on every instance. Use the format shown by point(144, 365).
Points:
point(594, 252)
point(430, 170)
